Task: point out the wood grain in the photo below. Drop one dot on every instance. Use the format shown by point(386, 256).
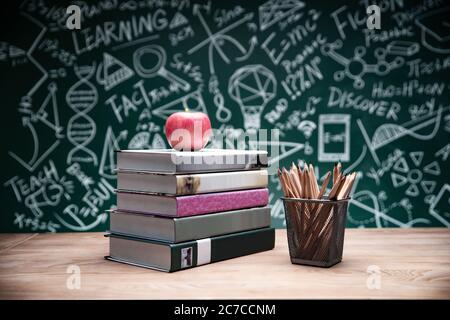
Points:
point(9, 240)
point(414, 263)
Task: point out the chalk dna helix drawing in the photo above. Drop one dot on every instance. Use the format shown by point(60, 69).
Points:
point(82, 97)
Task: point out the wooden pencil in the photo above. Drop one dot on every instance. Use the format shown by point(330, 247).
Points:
point(313, 223)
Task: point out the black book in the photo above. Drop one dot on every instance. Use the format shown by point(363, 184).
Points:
point(172, 257)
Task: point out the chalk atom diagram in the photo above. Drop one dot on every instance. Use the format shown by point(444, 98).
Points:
point(356, 67)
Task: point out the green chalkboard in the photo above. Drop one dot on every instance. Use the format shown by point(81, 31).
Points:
point(375, 99)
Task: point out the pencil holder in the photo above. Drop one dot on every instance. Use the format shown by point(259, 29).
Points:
point(315, 230)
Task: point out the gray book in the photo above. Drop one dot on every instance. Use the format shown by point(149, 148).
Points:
point(206, 160)
point(195, 183)
point(188, 228)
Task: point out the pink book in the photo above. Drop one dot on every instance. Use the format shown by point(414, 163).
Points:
point(183, 206)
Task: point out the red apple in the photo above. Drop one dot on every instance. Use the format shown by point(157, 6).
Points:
point(188, 131)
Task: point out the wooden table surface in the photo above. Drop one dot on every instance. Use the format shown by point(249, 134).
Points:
point(413, 263)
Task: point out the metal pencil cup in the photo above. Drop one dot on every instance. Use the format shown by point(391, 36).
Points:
point(315, 230)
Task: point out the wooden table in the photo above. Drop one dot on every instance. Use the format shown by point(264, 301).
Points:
point(413, 263)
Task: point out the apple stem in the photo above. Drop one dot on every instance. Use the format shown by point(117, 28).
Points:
point(186, 109)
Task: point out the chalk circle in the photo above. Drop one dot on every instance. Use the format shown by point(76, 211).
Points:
point(382, 68)
point(399, 61)
point(152, 50)
point(326, 49)
point(380, 53)
point(338, 44)
point(358, 83)
point(355, 68)
point(360, 51)
point(339, 75)
point(414, 176)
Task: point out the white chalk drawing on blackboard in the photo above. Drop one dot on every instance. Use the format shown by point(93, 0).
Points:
point(141, 140)
point(112, 72)
point(413, 175)
point(158, 68)
point(444, 152)
point(402, 48)
point(223, 114)
point(80, 226)
point(49, 116)
point(389, 132)
point(402, 210)
point(82, 97)
point(373, 211)
point(307, 127)
point(272, 11)
point(158, 142)
point(107, 167)
point(357, 162)
point(12, 53)
point(338, 132)
point(192, 101)
point(178, 20)
point(135, 42)
point(50, 194)
point(440, 206)
point(252, 87)
point(75, 170)
point(435, 30)
point(30, 54)
point(218, 39)
point(356, 67)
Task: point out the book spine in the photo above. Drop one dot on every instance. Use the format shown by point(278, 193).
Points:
point(219, 182)
point(222, 201)
point(204, 251)
point(210, 225)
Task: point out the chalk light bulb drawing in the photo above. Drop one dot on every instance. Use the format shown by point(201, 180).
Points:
point(252, 87)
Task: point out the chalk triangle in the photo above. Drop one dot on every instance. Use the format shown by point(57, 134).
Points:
point(114, 71)
point(48, 111)
point(432, 168)
point(398, 180)
point(145, 114)
point(412, 191)
point(178, 20)
point(107, 166)
point(428, 186)
point(401, 165)
point(158, 142)
point(416, 157)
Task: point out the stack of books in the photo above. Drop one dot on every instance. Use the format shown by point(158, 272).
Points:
point(177, 210)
